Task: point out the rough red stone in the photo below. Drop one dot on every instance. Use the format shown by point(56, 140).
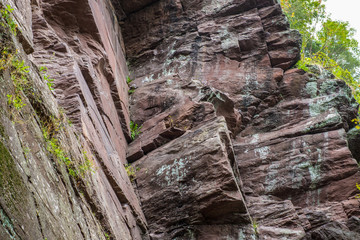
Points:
point(178, 183)
point(233, 143)
point(288, 127)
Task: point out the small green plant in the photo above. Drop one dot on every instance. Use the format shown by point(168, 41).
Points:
point(107, 236)
point(54, 147)
point(15, 101)
point(49, 81)
point(255, 226)
point(134, 130)
point(7, 56)
point(6, 16)
point(49, 130)
point(358, 187)
point(87, 166)
point(27, 152)
point(70, 122)
point(131, 171)
point(19, 76)
point(128, 80)
point(170, 121)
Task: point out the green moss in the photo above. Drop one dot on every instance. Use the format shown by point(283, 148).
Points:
point(2, 131)
point(328, 87)
point(331, 119)
point(11, 184)
point(353, 134)
point(7, 225)
point(322, 105)
point(7, 20)
point(311, 89)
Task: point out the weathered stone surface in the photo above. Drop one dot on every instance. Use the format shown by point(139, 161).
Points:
point(23, 18)
point(352, 207)
point(298, 151)
point(165, 114)
point(332, 230)
point(288, 128)
point(275, 218)
point(233, 144)
point(179, 187)
point(38, 199)
point(353, 224)
point(80, 44)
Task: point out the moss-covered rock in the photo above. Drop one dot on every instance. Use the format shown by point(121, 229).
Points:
point(11, 183)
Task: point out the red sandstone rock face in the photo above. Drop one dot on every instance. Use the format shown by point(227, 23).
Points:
point(287, 131)
point(233, 144)
point(182, 187)
point(80, 43)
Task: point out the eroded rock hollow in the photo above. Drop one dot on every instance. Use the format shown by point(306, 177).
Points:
point(235, 143)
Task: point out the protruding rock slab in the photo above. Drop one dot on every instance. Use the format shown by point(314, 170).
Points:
point(190, 182)
point(298, 157)
point(276, 219)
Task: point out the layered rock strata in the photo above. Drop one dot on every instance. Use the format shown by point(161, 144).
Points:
point(65, 179)
point(234, 143)
point(261, 151)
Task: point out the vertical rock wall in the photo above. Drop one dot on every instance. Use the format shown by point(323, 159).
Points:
point(234, 144)
point(79, 44)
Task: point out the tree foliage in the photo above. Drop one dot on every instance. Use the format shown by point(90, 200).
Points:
point(322, 35)
point(327, 43)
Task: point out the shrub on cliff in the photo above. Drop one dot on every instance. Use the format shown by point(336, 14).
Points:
point(327, 43)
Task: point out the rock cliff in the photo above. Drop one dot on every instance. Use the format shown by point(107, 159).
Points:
point(64, 177)
point(234, 143)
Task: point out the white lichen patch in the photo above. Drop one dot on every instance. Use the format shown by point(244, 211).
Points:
point(214, 6)
point(251, 82)
point(320, 105)
point(255, 139)
point(311, 89)
point(272, 180)
point(315, 170)
point(298, 172)
point(169, 82)
point(175, 172)
point(170, 68)
point(245, 236)
point(263, 152)
point(148, 79)
point(228, 40)
point(201, 137)
point(313, 197)
point(330, 119)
